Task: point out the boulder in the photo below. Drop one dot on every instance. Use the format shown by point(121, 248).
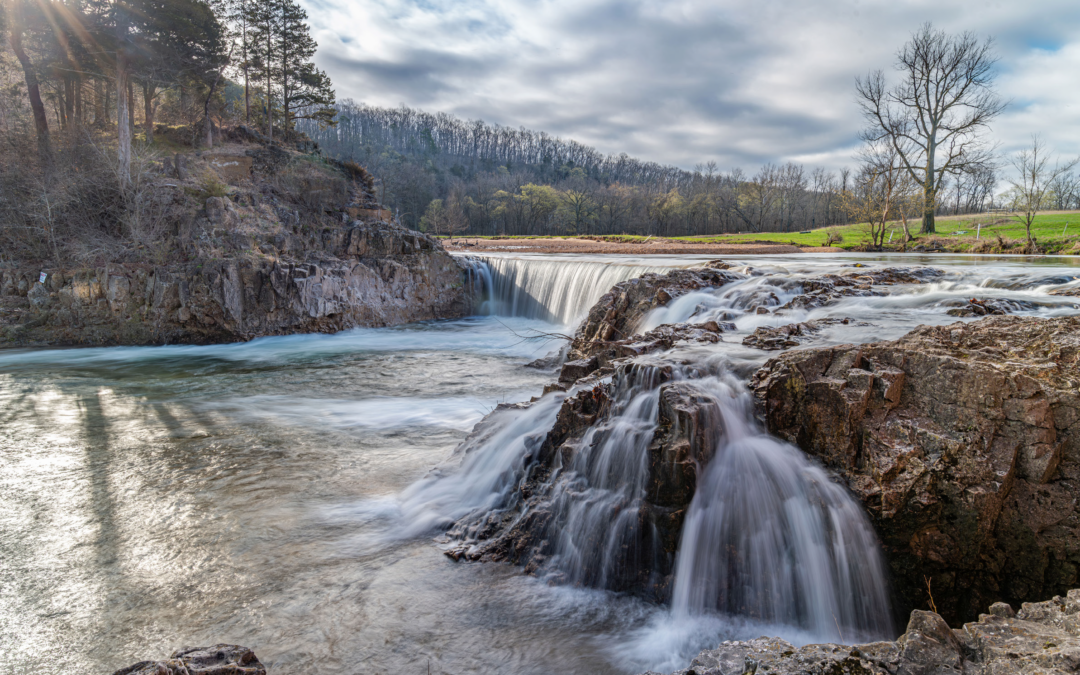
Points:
point(619, 312)
point(219, 659)
point(963, 443)
point(1042, 637)
point(826, 289)
point(792, 334)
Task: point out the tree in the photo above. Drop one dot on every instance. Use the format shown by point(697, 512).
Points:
point(1030, 187)
point(20, 15)
point(934, 115)
point(281, 52)
point(878, 188)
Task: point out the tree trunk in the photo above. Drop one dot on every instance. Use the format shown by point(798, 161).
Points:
point(148, 111)
point(131, 107)
point(99, 104)
point(79, 115)
point(41, 122)
point(69, 98)
point(123, 129)
point(269, 98)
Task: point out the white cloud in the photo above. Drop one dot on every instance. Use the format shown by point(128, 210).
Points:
point(684, 82)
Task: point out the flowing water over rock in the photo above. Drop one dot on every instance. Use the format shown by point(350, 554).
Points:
point(280, 493)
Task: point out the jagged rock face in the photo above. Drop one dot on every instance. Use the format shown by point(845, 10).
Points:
point(963, 443)
point(618, 313)
point(1042, 637)
point(368, 275)
point(527, 532)
point(792, 334)
point(220, 659)
point(604, 356)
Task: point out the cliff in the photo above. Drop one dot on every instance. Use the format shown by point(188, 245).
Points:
point(250, 241)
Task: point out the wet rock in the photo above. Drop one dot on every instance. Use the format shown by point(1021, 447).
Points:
point(221, 659)
point(963, 443)
point(1042, 637)
point(607, 354)
point(992, 307)
point(792, 334)
point(620, 311)
point(827, 289)
point(525, 531)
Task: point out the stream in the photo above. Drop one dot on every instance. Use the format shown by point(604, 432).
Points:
point(288, 493)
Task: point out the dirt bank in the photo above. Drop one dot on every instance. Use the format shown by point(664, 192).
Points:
point(652, 247)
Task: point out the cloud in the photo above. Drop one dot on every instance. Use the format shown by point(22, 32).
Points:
point(681, 82)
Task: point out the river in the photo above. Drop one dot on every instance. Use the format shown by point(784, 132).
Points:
point(264, 493)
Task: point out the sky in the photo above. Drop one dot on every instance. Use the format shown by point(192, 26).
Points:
point(685, 82)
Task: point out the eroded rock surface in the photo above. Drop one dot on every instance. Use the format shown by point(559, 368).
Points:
point(362, 274)
point(221, 659)
point(827, 289)
point(792, 334)
point(617, 315)
point(527, 530)
point(1042, 637)
point(962, 442)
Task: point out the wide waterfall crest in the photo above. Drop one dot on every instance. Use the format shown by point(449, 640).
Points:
point(558, 291)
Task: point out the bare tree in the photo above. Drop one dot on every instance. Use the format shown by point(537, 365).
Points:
point(878, 188)
point(1030, 188)
point(934, 116)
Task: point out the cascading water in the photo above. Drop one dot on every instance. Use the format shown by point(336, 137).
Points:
point(558, 291)
point(769, 536)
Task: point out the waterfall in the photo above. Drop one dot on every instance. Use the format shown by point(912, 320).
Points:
point(769, 536)
point(558, 291)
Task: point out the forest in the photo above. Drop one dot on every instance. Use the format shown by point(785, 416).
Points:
point(449, 175)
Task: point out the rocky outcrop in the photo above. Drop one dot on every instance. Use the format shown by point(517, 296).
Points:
point(1042, 637)
point(792, 334)
point(963, 443)
point(619, 312)
point(826, 289)
point(990, 307)
point(217, 660)
point(527, 531)
point(363, 274)
point(602, 356)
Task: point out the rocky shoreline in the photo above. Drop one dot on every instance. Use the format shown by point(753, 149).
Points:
point(1043, 637)
point(361, 274)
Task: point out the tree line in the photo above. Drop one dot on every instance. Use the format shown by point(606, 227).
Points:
point(441, 172)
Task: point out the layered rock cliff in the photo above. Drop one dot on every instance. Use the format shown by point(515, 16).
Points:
point(368, 274)
point(242, 242)
point(963, 444)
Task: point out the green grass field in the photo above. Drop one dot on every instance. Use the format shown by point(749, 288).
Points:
point(1054, 232)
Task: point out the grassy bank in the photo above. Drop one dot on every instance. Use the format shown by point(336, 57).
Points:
point(1054, 232)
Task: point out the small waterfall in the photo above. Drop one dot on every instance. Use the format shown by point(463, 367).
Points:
point(769, 536)
point(477, 280)
point(600, 540)
point(558, 291)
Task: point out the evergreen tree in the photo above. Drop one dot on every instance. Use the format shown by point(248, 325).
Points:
point(281, 53)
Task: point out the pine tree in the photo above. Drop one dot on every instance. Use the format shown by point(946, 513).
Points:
point(281, 52)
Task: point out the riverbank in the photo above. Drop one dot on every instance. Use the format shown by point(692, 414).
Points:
point(621, 245)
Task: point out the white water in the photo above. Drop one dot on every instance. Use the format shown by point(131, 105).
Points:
point(280, 493)
point(557, 290)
